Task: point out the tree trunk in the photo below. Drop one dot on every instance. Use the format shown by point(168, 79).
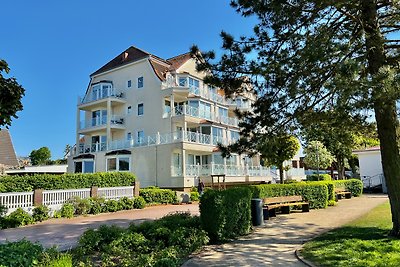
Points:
point(281, 173)
point(385, 110)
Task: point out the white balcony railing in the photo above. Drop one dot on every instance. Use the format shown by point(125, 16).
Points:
point(228, 170)
point(157, 139)
point(116, 120)
point(204, 114)
point(99, 95)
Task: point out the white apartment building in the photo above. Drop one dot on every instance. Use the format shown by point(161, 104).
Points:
point(157, 119)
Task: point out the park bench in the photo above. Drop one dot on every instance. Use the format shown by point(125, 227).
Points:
point(340, 193)
point(270, 205)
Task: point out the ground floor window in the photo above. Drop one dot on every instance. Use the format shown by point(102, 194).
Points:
point(84, 166)
point(119, 163)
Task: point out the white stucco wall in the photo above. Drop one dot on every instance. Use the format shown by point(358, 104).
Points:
point(371, 165)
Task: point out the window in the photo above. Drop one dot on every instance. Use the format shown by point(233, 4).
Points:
point(140, 109)
point(111, 164)
point(182, 81)
point(78, 167)
point(140, 82)
point(128, 136)
point(119, 163)
point(129, 110)
point(140, 137)
point(129, 84)
point(85, 166)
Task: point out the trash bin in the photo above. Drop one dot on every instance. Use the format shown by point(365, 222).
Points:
point(257, 216)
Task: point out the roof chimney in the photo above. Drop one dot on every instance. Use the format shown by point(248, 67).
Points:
point(125, 56)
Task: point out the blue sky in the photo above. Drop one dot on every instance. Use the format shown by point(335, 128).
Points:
point(53, 46)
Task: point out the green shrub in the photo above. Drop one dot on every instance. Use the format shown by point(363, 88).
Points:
point(67, 210)
point(97, 205)
point(64, 181)
point(226, 214)
point(194, 196)
point(126, 203)
point(22, 254)
point(355, 186)
point(320, 177)
point(316, 193)
point(97, 240)
point(139, 203)
point(112, 205)
point(156, 195)
point(40, 213)
point(57, 214)
point(81, 205)
point(17, 218)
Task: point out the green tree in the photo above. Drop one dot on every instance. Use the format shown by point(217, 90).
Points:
point(317, 156)
point(41, 156)
point(11, 94)
point(340, 133)
point(275, 150)
point(317, 55)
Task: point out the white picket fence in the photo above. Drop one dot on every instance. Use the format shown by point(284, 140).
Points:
point(115, 192)
point(54, 199)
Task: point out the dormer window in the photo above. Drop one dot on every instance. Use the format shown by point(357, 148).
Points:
point(99, 91)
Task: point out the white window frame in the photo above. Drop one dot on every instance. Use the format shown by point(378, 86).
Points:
point(138, 141)
point(129, 84)
point(117, 157)
point(129, 110)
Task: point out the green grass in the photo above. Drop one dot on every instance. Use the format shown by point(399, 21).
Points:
point(363, 242)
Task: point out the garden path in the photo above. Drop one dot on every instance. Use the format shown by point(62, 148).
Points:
point(64, 233)
point(275, 243)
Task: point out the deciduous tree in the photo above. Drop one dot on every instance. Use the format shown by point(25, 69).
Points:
point(11, 94)
point(41, 156)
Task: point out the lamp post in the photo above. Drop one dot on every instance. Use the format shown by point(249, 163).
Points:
point(317, 163)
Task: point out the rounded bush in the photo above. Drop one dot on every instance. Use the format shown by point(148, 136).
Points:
point(67, 210)
point(139, 203)
point(40, 213)
point(17, 218)
point(194, 196)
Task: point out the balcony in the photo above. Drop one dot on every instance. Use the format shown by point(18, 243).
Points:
point(100, 123)
point(160, 139)
point(99, 97)
point(239, 103)
point(228, 170)
point(204, 114)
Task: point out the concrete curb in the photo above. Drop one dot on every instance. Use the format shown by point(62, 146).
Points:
point(303, 260)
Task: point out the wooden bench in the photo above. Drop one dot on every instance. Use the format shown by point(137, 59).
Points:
point(270, 205)
point(340, 193)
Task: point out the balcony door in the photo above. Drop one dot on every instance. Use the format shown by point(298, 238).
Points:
point(99, 117)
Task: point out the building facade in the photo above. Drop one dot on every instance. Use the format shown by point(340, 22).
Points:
point(157, 119)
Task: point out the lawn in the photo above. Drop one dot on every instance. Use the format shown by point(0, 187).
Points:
point(363, 242)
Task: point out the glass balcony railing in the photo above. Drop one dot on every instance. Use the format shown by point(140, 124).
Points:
point(99, 95)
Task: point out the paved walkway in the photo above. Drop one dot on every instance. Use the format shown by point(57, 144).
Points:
point(274, 244)
point(65, 232)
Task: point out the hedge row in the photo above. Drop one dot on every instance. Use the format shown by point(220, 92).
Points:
point(319, 177)
point(64, 181)
point(157, 195)
point(316, 193)
point(355, 186)
point(226, 214)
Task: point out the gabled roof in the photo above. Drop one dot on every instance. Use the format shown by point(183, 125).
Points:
point(159, 65)
point(131, 54)
point(7, 152)
point(179, 60)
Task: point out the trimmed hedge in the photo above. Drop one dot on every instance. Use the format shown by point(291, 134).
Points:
point(320, 177)
point(355, 186)
point(157, 195)
point(316, 193)
point(65, 181)
point(226, 214)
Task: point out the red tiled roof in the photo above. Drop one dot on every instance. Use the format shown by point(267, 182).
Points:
point(179, 60)
point(159, 65)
